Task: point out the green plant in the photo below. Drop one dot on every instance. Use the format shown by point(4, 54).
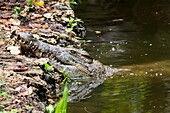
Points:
point(73, 22)
point(28, 107)
point(3, 94)
point(12, 111)
point(16, 10)
point(50, 108)
point(46, 68)
point(64, 72)
point(61, 107)
point(1, 106)
point(2, 83)
point(73, 2)
point(30, 2)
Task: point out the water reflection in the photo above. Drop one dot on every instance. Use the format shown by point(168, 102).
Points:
point(82, 89)
point(124, 93)
point(127, 95)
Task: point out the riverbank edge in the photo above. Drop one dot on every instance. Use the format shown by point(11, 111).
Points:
point(27, 89)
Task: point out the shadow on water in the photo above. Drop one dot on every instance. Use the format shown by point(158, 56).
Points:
point(134, 34)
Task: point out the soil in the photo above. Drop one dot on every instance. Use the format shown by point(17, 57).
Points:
point(28, 87)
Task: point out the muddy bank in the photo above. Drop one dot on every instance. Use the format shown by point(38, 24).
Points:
point(25, 87)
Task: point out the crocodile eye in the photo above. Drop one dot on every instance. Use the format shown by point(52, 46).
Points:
point(73, 52)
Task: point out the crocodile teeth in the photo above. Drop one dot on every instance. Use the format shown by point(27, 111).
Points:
point(20, 41)
point(48, 55)
point(51, 55)
point(37, 50)
point(31, 43)
point(40, 54)
point(52, 58)
point(32, 47)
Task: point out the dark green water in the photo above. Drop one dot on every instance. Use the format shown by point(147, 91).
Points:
point(135, 34)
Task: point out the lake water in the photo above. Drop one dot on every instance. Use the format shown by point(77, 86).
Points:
point(132, 34)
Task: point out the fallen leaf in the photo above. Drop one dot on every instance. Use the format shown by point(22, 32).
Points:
point(23, 90)
point(15, 21)
point(15, 50)
point(45, 26)
point(3, 21)
point(39, 3)
point(23, 27)
point(2, 12)
point(117, 20)
point(98, 32)
point(38, 26)
point(48, 15)
point(5, 8)
point(43, 10)
point(34, 16)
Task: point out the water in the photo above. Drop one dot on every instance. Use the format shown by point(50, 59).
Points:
point(134, 34)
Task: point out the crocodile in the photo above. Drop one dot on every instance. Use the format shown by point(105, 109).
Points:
point(76, 62)
point(43, 32)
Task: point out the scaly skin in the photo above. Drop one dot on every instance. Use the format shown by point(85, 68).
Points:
point(77, 63)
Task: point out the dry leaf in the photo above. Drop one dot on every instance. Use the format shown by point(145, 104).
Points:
point(117, 20)
point(48, 15)
point(38, 26)
point(5, 8)
point(45, 26)
point(39, 3)
point(34, 16)
point(98, 32)
point(23, 90)
point(14, 50)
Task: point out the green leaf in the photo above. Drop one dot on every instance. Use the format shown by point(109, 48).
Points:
point(3, 94)
point(73, 3)
point(2, 83)
point(65, 97)
point(62, 105)
point(75, 24)
point(78, 37)
point(63, 35)
point(16, 9)
point(47, 66)
point(70, 29)
point(1, 106)
point(50, 108)
point(14, 111)
point(28, 107)
point(79, 20)
point(29, 0)
point(58, 108)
